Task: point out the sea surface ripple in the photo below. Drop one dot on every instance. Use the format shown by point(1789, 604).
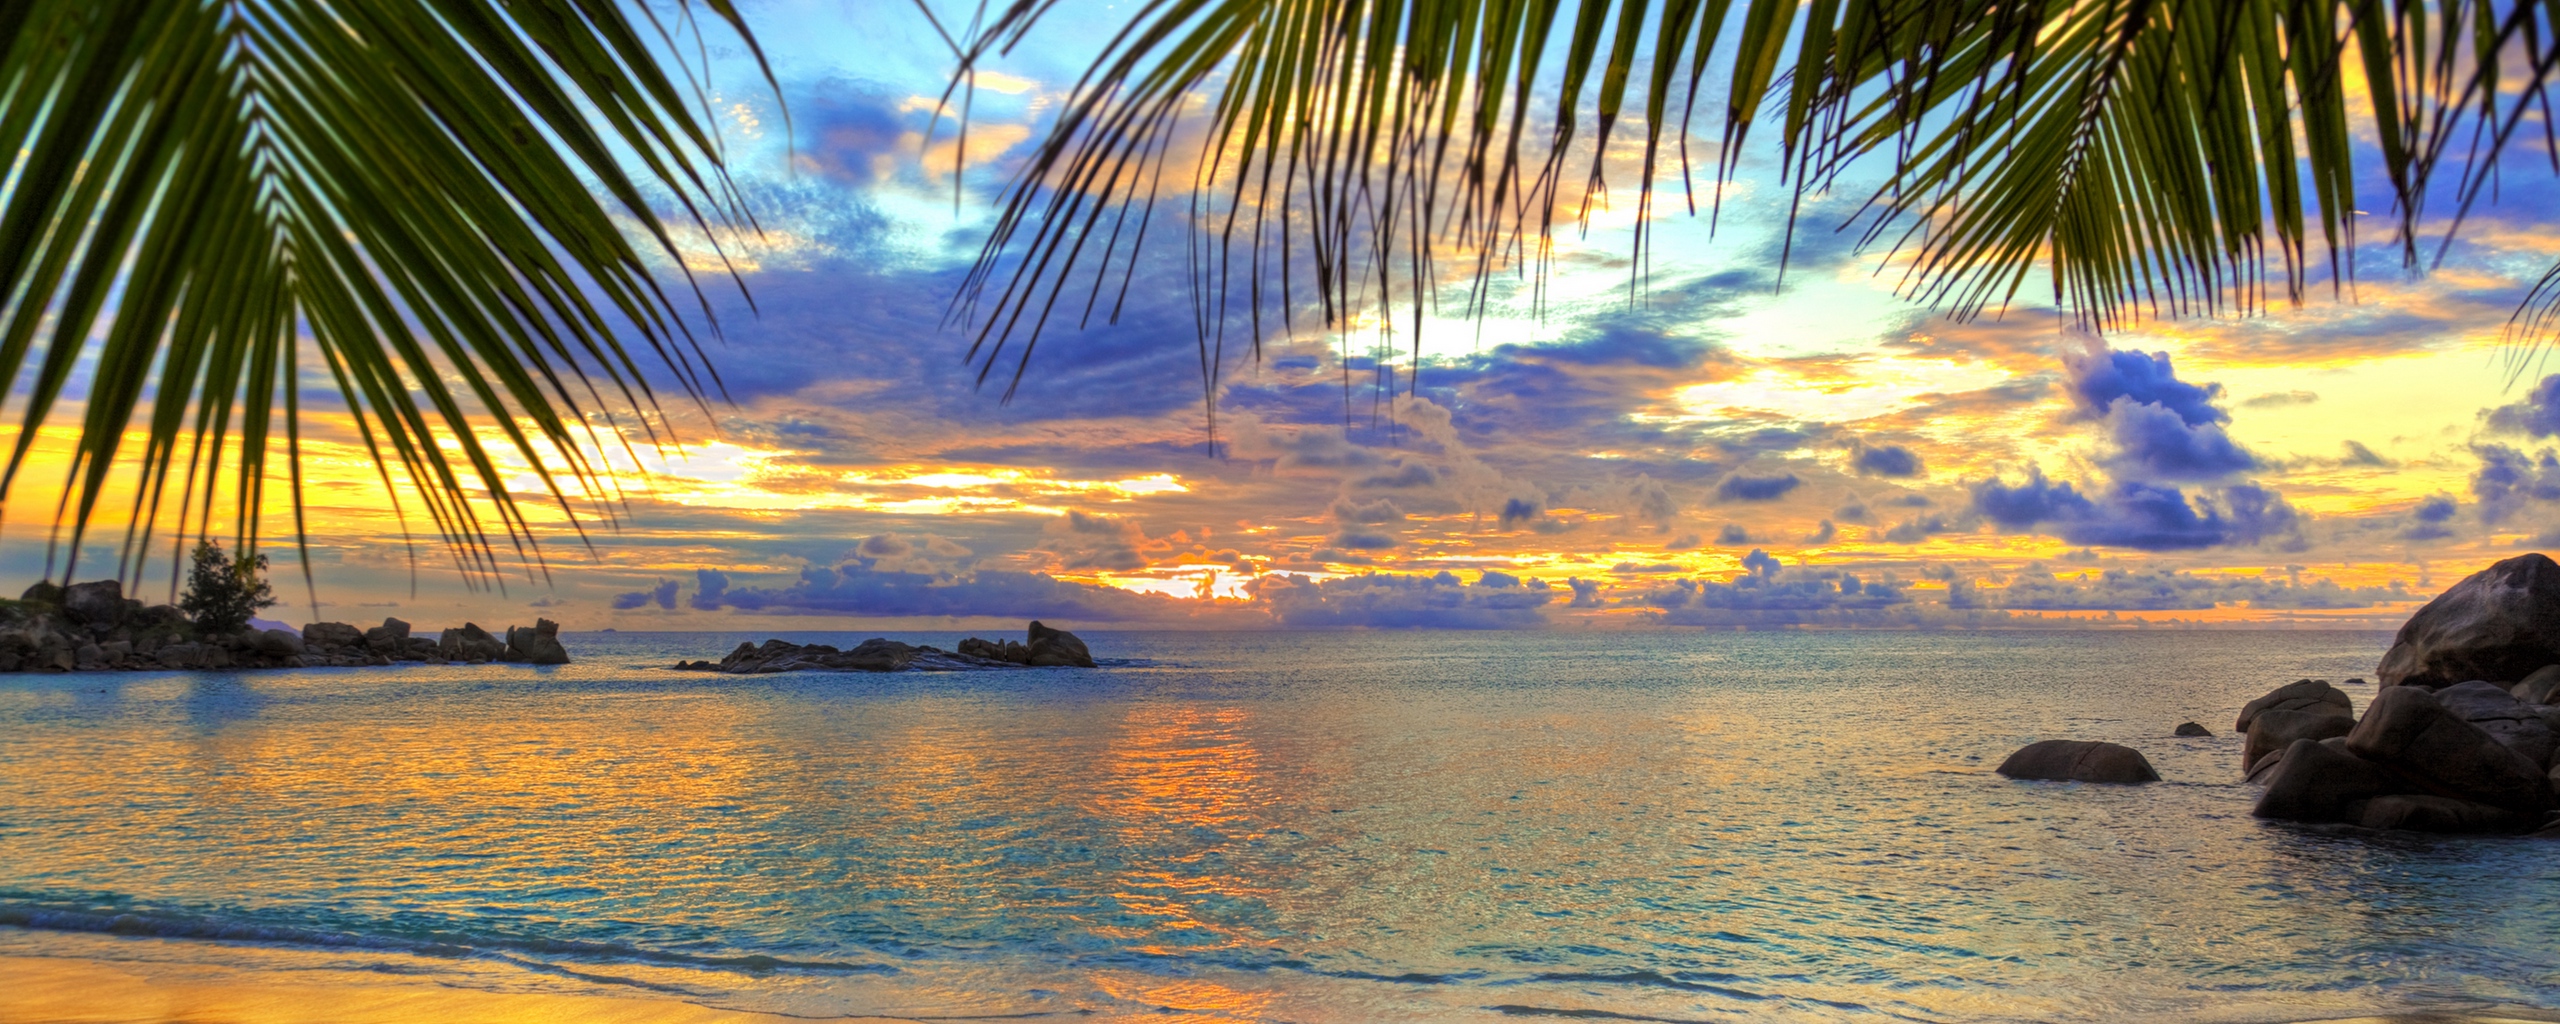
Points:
point(1266, 827)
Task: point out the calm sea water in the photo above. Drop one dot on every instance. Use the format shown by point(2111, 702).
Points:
point(1267, 827)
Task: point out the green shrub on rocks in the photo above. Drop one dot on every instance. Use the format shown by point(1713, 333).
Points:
point(222, 594)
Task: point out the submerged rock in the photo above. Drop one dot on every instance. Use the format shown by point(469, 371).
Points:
point(2410, 731)
point(2079, 761)
point(2429, 813)
point(2193, 729)
point(2500, 624)
point(2318, 780)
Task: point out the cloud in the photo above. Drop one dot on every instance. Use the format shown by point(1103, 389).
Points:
point(1824, 534)
point(1496, 600)
point(663, 595)
point(2510, 481)
point(2155, 441)
point(1917, 529)
point(2146, 517)
point(1369, 512)
point(855, 589)
point(2101, 377)
point(1733, 534)
point(1519, 510)
point(2359, 455)
point(1767, 594)
point(2537, 416)
point(1684, 542)
point(2171, 590)
point(1082, 540)
point(1738, 487)
point(2279, 399)
point(1891, 460)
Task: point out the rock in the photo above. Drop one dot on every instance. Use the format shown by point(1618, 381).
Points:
point(2422, 813)
point(2079, 761)
point(2499, 624)
point(468, 642)
point(89, 658)
point(326, 635)
point(392, 636)
point(42, 592)
point(2193, 729)
point(419, 648)
point(696, 666)
point(114, 651)
point(1011, 652)
point(179, 655)
point(1057, 647)
point(278, 643)
point(2299, 695)
point(2318, 780)
point(2504, 718)
point(156, 616)
point(2272, 731)
point(2410, 731)
point(536, 646)
point(2541, 687)
point(97, 605)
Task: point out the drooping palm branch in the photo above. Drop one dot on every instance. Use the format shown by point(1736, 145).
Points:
point(204, 192)
point(2155, 157)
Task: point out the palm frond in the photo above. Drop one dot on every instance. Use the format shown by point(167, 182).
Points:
point(206, 190)
point(2155, 157)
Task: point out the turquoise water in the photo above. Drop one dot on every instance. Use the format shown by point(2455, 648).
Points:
point(1268, 827)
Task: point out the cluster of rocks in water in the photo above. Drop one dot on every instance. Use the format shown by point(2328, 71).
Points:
point(93, 627)
point(2464, 735)
point(1043, 647)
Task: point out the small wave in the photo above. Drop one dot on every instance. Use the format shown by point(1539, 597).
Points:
point(1514, 1010)
point(166, 925)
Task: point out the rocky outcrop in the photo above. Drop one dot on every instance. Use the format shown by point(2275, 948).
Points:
point(2541, 687)
point(538, 644)
point(2318, 780)
point(2409, 731)
point(94, 627)
point(2299, 695)
point(1057, 647)
point(2193, 729)
point(2273, 731)
point(1047, 647)
point(2500, 624)
point(2079, 761)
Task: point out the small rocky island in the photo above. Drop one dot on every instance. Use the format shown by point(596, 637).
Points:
point(1042, 647)
point(93, 627)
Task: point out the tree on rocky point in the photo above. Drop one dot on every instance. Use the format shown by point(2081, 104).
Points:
point(223, 594)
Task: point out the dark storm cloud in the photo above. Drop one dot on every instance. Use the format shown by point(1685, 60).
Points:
point(1386, 601)
point(1768, 594)
point(2145, 517)
point(2537, 416)
point(2171, 590)
point(854, 589)
point(1889, 460)
point(2100, 377)
point(663, 595)
point(2157, 442)
point(1756, 488)
point(2510, 481)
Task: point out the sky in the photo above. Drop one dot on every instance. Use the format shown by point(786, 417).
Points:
point(1719, 449)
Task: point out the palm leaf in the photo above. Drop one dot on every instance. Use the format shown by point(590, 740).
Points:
point(209, 192)
point(2156, 157)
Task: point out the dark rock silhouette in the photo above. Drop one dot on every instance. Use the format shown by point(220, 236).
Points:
point(2299, 695)
point(2273, 731)
point(2079, 761)
point(1047, 648)
point(2193, 729)
point(94, 627)
point(2500, 624)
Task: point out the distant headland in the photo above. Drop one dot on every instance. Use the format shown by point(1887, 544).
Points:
point(94, 627)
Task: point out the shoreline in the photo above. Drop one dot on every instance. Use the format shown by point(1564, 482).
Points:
point(55, 977)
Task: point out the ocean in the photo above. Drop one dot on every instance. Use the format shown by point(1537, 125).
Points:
point(1306, 827)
